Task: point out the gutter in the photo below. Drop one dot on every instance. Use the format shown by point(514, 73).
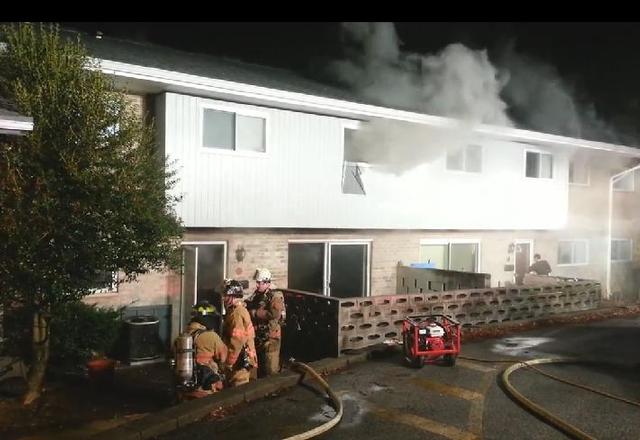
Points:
point(332, 106)
point(612, 180)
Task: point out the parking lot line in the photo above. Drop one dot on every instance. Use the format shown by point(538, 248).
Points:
point(448, 390)
point(423, 424)
point(476, 413)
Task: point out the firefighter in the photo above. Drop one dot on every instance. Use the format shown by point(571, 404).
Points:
point(210, 351)
point(267, 311)
point(238, 334)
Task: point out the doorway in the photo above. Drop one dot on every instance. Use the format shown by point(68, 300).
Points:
point(522, 259)
point(204, 271)
point(334, 268)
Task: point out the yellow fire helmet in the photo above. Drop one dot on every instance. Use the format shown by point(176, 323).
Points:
point(204, 308)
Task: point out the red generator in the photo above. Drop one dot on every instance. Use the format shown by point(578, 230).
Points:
point(430, 338)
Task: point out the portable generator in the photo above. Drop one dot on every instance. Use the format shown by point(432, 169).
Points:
point(430, 339)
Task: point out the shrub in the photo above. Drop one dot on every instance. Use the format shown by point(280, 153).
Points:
point(79, 331)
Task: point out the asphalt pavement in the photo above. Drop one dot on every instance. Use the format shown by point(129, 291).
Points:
point(383, 398)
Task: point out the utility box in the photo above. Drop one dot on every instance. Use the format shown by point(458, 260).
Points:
point(142, 339)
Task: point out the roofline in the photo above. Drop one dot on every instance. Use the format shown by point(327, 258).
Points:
point(332, 105)
point(15, 125)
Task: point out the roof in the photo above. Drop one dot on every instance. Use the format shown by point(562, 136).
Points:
point(208, 75)
point(162, 57)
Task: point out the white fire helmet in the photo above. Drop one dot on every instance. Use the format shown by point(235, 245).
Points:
point(263, 274)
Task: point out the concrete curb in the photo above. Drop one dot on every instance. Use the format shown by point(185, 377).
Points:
point(191, 411)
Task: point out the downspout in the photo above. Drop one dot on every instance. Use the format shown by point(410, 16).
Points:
point(612, 180)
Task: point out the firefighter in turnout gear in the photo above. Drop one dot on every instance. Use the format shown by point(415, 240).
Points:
point(238, 334)
point(267, 311)
point(210, 353)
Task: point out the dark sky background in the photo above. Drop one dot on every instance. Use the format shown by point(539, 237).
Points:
point(601, 61)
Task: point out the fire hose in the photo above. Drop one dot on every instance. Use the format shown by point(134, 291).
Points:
point(306, 369)
point(552, 419)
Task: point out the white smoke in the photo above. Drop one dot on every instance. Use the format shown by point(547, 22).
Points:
point(458, 82)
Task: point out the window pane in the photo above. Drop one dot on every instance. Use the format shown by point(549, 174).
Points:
point(464, 257)
point(251, 135)
point(348, 270)
point(350, 150)
point(546, 166)
point(564, 252)
point(306, 267)
point(454, 159)
point(621, 250)
point(218, 129)
point(435, 253)
point(352, 182)
point(533, 164)
point(103, 279)
point(624, 184)
point(580, 252)
point(473, 162)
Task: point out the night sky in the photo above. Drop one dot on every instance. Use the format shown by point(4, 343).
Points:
point(600, 61)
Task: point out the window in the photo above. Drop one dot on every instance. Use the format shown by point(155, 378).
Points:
point(337, 268)
point(621, 250)
point(539, 165)
point(578, 172)
point(626, 183)
point(451, 255)
point(351, 180)
point(467, 159)
point(226, 130)
point(352, 168)
point(104, 281)
point(573, 252)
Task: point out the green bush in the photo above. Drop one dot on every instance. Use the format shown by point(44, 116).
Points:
point(77, 331)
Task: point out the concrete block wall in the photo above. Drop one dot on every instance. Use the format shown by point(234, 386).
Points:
point(410, 279)
point(369, 321)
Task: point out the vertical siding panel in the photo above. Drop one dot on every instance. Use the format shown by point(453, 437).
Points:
point(298, 182)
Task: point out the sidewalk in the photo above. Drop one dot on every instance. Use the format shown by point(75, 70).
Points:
point(156, 378)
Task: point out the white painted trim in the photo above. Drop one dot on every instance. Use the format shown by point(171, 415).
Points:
point(203, 242)
point(330, 105)
point(326, 240)
point(553, 164)
point(574, 240)
point(351, 125)
point(242, 110)
point(12, 124)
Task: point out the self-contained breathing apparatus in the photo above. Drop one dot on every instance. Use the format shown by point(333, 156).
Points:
point(188, 373)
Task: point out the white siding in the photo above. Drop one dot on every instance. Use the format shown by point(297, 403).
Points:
point(297, 182)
